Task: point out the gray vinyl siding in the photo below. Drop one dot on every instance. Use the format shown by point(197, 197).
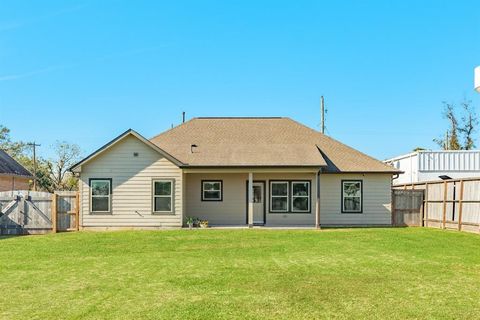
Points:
point(232, 210)
point(376, 200)
point(131, 204)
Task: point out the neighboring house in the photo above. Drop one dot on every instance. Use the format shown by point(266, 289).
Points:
point(424, 166)
point(232, 171)
point(12, 175)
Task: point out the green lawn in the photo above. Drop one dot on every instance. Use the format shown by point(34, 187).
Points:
point(212, 274)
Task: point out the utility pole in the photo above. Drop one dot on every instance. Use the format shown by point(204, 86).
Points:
point(34, 145)
point(322, 110)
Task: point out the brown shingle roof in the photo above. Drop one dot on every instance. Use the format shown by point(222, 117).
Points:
point(261, 142)
point(8, 166)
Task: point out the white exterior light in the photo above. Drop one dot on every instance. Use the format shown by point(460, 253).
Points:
point(477, 79)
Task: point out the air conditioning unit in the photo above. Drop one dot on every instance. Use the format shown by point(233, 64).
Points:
point(477, 79)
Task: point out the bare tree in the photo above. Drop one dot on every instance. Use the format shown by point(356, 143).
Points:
point(453, 142)
point(66, 155)
point(470, 122)
point(464, 129)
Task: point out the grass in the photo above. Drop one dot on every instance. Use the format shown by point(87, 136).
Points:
point(215, 274)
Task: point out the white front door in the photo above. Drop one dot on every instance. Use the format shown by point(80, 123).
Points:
point(258, 203)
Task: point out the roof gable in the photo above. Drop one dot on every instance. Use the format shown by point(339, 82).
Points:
point(8, 166)
point(77, 167)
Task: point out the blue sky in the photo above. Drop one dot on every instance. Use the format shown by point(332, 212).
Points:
point(85, 71)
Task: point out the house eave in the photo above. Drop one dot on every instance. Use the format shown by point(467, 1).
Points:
point(16, 175)
point(250, 166)
point(362, 172)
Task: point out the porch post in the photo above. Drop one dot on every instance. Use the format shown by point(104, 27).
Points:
point(250, 199)
point(317, 202)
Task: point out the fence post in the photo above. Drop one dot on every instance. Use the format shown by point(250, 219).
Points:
point(54, 213)
point(393, 209)
point(445, 191)
point(460, 206)
point(77, 210)
point(425, 207)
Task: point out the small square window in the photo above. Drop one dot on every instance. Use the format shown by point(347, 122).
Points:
point(212, 190)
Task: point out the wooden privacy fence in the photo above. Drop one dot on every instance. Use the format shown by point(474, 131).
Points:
point(31, 212)
point(407, 208)
point(449, 204)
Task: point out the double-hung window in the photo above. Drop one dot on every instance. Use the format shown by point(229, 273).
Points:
point(100, 195)
point(352, 196)
point(279, 196)
point(212, 190)
point(300, 196)
point(162, 196)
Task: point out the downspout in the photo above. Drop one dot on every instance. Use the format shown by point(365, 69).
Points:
point(392, 204)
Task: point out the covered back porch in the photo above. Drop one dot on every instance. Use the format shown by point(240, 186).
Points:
point(270, 197)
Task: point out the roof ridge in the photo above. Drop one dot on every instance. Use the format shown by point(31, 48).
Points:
point(209, 118)
point(241, 117)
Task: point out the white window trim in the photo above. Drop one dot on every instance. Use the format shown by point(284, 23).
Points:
point(101, 196)
point(307, 196)
point(171, 196)
point(285, 196)
point(220, 191)
point(344, 210)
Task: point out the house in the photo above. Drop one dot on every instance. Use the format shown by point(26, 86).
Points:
point(13, 176)
point(422, 166)
point(232, 171)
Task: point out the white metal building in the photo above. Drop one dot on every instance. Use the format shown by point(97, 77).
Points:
point(430, 165)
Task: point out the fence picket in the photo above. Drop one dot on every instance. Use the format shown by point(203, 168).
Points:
point(440, 203)
point(26, 212)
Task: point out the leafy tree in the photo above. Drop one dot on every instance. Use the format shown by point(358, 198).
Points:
point(44, 181)
point(51, 174)
point(6, 143)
